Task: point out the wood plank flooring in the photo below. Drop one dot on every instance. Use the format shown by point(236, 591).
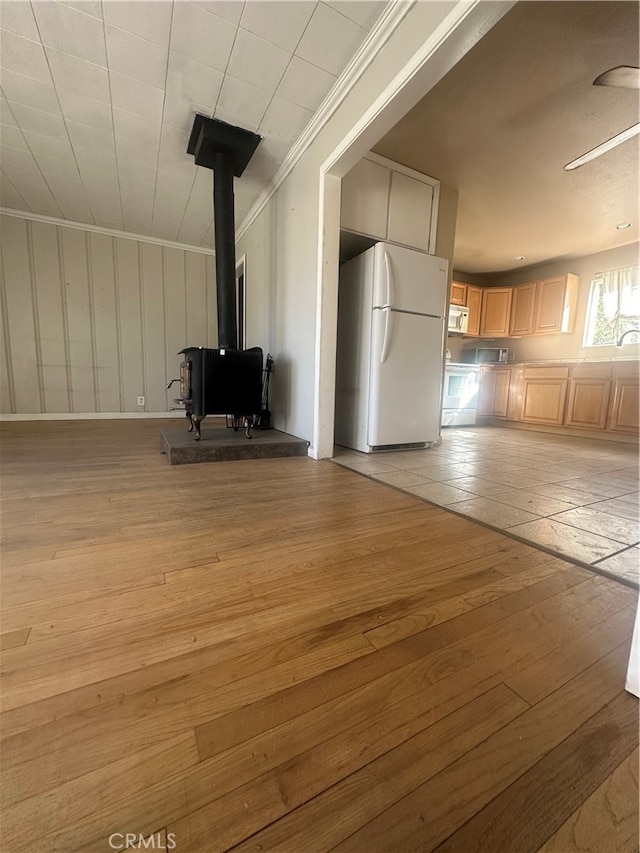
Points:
point(282, 655)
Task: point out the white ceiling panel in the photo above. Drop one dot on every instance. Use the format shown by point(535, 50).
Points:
point(76, 75)
point(330, 40)
point(70, 31)
point(89, 7)
point(135, 151)
point(201, 36)
point(135, 57)
point(25, 90)
point(363, 14)
point(13, 138)
point(90, 137)
point(23, 56)
point(9, 196)
point(148, 20)
point(74, 207)
point(85, 110)
point(38, 121)
point(104, 110)
point(285, 119)
point(137, 128)
point(256, 61)
point(17, 17)
point(305, 84)
point(17, 157)
point(241, 103)
point(6, 116)
point(192, 80)
point(47, 150)
point(230, 10)
point(136, 97)
point(282, 22)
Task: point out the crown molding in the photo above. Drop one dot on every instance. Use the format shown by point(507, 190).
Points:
point(99, 229)
point(389, 21)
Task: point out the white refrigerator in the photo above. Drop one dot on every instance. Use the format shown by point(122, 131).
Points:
point(391, 327)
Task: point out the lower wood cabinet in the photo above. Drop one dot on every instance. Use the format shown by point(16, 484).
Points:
point(626, 406)
point(543, 401)
point(588, 403)
point(590, 396)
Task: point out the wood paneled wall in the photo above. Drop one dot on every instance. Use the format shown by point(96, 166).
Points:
point(91, 321)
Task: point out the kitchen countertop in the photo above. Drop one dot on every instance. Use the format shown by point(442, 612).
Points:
point(547, 361)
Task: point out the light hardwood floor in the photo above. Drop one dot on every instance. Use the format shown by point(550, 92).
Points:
point(282, 655)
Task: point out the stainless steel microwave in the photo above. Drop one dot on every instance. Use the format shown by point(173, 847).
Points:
point(486, 355)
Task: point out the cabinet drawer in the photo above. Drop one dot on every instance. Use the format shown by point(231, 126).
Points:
point(546, 373)
point(591, 371)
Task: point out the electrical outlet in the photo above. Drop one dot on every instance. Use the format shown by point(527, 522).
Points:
point(141, 401)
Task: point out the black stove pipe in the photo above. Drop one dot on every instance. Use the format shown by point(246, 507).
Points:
point(224, 228)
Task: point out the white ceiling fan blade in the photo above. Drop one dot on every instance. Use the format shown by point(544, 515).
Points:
point(624, 76)
point(606, 146)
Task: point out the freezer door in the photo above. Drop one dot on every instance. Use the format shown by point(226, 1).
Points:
point(407, 280)
point(406, 378)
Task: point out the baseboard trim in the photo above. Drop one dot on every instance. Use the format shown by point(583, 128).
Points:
point(91, 416)
point(570, 432)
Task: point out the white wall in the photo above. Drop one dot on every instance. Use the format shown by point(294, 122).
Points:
point(91, 321)
point(285, 234)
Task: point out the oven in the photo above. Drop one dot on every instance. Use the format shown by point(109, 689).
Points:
point(460, 398)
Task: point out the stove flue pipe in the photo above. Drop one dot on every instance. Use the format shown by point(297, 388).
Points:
point(224, 229)
point(226, 150)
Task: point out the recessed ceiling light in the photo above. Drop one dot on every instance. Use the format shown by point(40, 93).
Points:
point(623, 225)
point(518, 258)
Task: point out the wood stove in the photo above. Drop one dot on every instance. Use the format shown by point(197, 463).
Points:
point(221, 382)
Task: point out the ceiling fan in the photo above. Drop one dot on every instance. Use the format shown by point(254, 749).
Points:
point(622, 77)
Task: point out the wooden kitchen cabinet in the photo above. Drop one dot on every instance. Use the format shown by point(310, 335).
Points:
point(474, 304)
point(588, 403)
point(387, 201)
point(495, 385)
point(496, 312)
point(544, 395)
point(523, 309)
point(625, 405)
point(556, 300)
point(458, 293)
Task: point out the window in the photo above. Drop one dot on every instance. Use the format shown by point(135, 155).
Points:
point(614, 307)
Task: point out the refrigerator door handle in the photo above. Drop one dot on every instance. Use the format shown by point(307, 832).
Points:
point(389, 272)
point(386, 341)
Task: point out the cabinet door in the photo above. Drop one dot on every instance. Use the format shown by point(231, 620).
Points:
point(543, 400)
point(474, 304)
point(556, 300)
point(365, 199)
point(522, 309)
point(502, 383)
point(588, 403)
point(626, 405)
point(486, 393)
point(410, 204)
point(496, 312)
point(458, 293)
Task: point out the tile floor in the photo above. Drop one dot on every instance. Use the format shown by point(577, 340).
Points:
point(574, 496)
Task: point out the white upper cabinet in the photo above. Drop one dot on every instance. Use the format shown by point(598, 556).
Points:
point(365, 199)
point(387, 201)
point(410, 210)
